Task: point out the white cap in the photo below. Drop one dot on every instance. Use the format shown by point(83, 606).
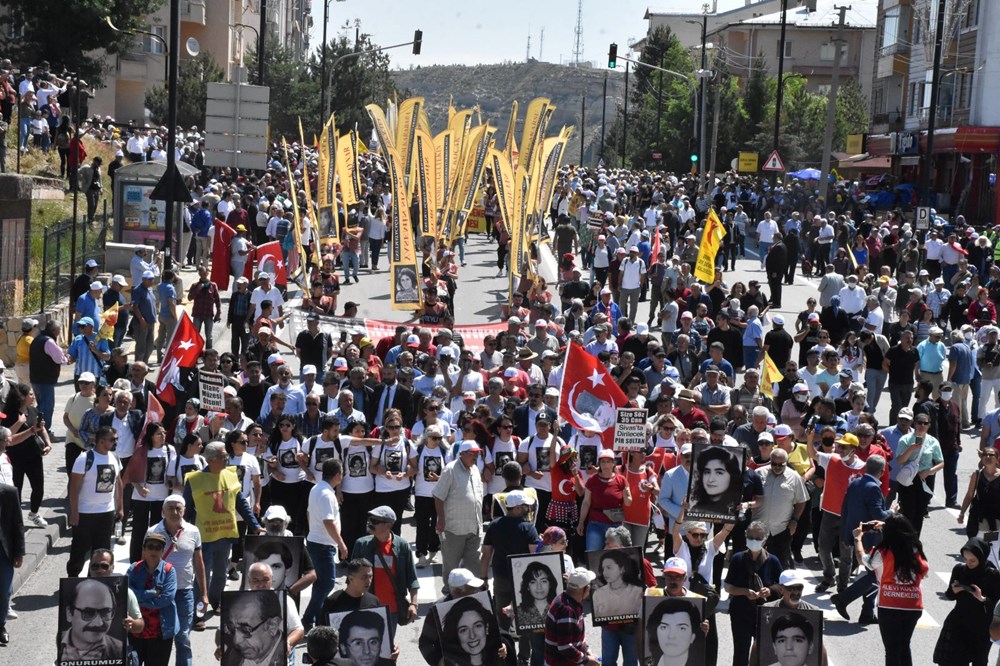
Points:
point(469, 446)
point(229, 391)
point(469, 395)
point(309, 370)
point(463, 578)
point(87, 377)
point(276, 512)
point(791, 577)
point(120, 279)
point(782, 430)
point(675, 565)
point(778, 319)
point(518, 498)
point(175, 499)
point(541, 323)
point(510, 372)
point(96, 285)
point(580, 578)
point(148, 275)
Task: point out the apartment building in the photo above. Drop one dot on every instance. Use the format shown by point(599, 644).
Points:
point(686, 22)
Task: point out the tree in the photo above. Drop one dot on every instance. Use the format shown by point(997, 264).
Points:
point(193, 77)
point(852, 113)
point(72, 36)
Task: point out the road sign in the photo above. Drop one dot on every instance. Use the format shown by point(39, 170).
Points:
point(923, 217)
point(774, 163)
point(748, 162)
point(236, 125)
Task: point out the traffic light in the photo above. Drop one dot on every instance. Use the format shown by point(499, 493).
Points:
point(693, 150)
point(418, 37)
point(612, 56)
point(694, 157)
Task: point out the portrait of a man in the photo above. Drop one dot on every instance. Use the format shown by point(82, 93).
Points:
point(105, 479)
point(282, 554)
point(364, 636)
point(90, 620)
point(790, 637)
point(356, 465)
point(253, 629)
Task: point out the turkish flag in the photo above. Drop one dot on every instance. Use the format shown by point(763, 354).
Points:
point(183, 351)
point(222, 246)
point(271, 260)
point(136, 470)
point(654, 255)
point(589, 396)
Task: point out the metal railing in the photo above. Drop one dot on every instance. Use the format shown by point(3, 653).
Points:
point(58, 270)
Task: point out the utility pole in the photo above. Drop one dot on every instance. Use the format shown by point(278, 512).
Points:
point(324, 113)
point(715, 119)
point(928, 180)
point(583, 123)
point(625, 124)
point(659, 101)
point(262, 41)
point(781, 73)
point(604, 113)
point(702, 102)
point(541, 43)
point(174, 55)
point(831, 105)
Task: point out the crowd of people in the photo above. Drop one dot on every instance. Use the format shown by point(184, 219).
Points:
point(467, 441)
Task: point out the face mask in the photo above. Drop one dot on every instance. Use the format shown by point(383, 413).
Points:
point(946, 395)
point(969, 335)
point(755, 544)
point(801, 397)
point(190, 417)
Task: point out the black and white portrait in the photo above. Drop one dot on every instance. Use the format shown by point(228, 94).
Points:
point(357, 465)
point(468, 629)
point(393, 460)
point(253, 628)
point(324, 454)
point(787, 637)
point(287, 458)
point(588, 456)
point(105, 479)
point(283, 554)
point(542, 458)
point(501, 458)
point(432, 465)
point(365, 639)
point(405, 280)
point(716, 482)
point(91, 617)
point(619, 586)
point(156, 471)
point(671, 631)
point(537, 580)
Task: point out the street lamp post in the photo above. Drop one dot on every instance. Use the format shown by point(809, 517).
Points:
point(781, 71)
point(166, 50)
point(928, 180)
point(416, 43)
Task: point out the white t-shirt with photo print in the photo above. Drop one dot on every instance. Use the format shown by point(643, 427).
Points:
point(157, 474)
point(429, 460)
point(97, 492)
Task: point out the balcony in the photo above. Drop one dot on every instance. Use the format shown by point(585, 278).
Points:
point(893, 60)
point(193, 11)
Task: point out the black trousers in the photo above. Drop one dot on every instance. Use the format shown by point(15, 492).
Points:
point(781, 545)
point(425, 516)
point(93, 531)
point(896, 627)
point(29, 465)
point(144, 515)
point(240, 340)
point(354, 516)
point(395, 500)
point(72, 453)
point(774, 284)
point(913, 503)
point(295, 498)
point(152, 651)
point(793, 259)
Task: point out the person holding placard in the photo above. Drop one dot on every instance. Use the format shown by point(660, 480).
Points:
point(751, 580)
point(605, 497)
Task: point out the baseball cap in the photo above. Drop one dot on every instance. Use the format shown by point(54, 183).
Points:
point(778, 319)
point(469, 446)
point(469, 395)
point(813, 316)
point(275, 359)
point(687, 315)
point(782, 430)
point(85, 321)
point(790, 577)
point(846, 372)
point(675, 565)
point(153, 535)
point(87, 377)
point(800, 388)
point(464, 577)
point(848, 439)
point(517, 498)
point(309, 370)
point(276, 512)
point(91, 263)
point(120, 279)
point(765, 437)
point(541, 323)
point(936, 331)
point(340, 364)
point(905, 413)
point(148, 275)
point(412, 341)
point(383, 513)
point(96, 285)
point(606, 453)
point(510, 372)
point(685, 449)
point(580, 578)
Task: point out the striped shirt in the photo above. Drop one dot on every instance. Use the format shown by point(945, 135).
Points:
point(461, 491)
point(565, 636)
point(87, 360)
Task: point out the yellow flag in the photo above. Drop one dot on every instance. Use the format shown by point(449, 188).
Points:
point(310, 205)
point(771, 376)
point(109, 318)
point(405, 278)
point(424, 183)
point(711, 241)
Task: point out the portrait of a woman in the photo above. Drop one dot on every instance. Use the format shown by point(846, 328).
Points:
point(674, 635)
point(537, 590)
point(469, 633)
point(620, 593)
point(716, 484)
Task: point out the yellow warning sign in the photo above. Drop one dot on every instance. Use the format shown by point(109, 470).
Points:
point(748, 162)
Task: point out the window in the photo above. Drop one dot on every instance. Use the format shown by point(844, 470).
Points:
point(890, 27)
point(915, 101)
point(788, 49)
point(826, 52)
point(153, 45)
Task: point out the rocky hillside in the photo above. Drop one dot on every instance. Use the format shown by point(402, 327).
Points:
point(494, 87)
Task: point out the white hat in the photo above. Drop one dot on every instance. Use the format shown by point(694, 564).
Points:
point(765, 437)
point(91, 263)
point(463, 578)
point(791, 577)
point(96, 285)
point(175, 499)
point(87, 377)
point(148, 275)
point(580, 578)
point(120, 279)
point(469, 446)
point(675, 565)
point(276, 512)
point(229, 391)
point(782, 430)
point(541, 323)
point(510, 372)
point(309, 370)
point(778, 319)
point(469, 395)
point(518, 498)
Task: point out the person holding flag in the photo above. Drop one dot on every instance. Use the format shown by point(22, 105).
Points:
point(589, 395)
point(183, 352)
point(711, 242)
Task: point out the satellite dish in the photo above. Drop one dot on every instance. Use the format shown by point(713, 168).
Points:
point(193, 47)
point(735, 163)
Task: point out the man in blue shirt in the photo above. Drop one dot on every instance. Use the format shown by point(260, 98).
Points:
point(674, 488)
point(87, 305)
point(144, 311)
point(166, 297)
point(201, 223)
point(87, 351)
point(932, 353)
point(961, 368)
point(753, 338)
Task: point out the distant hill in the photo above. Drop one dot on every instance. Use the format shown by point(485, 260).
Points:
point(494, 87)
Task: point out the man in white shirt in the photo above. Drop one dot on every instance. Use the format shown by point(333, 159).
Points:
point(324, 540)
point(824, 237)
point(874, 317)
point(765, 236)
point(852, 297)
point(139, 265)
point(95, 499)
point(935, 247)
point(631, 276)
point(265, 291)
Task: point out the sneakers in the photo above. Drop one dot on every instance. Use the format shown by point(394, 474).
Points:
point(841, 607)
point(12, 614)
point(824, 586)
point(37, 520)
point(865, 620)
point(233, 575)
point(423, 562)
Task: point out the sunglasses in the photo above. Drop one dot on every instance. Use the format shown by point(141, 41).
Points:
point(285, 425)
point(506, 427)
point(102, 566)
point(89, 614)
point(989, 455)
point(434, 438)
point(923, 423)
point(153, 545)
point(778, 465)
point(434, 408)
point(697, 535)
point(393, 427)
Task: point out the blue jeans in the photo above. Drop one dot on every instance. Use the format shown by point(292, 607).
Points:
point(612, 640)
point(460, 242)
point(185, 618)
point(325, 561)
point(216, 556)
point(351, 263)
point(750, 356)
point(45, 395)
point(537, 649)
point(6, 585)
point(23, 132)
point(875, 381)
point(762, 249)
point(208, 325)
point(594, 535)
point(866, 588)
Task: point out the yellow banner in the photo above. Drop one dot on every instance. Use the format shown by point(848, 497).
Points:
point(711, 240)
point(771, 376)
point(503, 183)
point(423, 178)
point(509, 143)
point(310, 204)
point(479, 143)
point(533, 119)
point(327, 182)
point(445, 166)
point(293, 266)
point(404, 280)
point(406, 129)
point(381, 126)
point(548, 169)
point(460, 124)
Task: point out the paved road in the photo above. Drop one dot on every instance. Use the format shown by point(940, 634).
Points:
point(33, 635)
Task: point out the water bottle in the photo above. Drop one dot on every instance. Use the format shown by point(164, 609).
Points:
point(200, 610)
point(118, 531)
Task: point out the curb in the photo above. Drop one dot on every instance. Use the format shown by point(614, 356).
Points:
point(39, 542)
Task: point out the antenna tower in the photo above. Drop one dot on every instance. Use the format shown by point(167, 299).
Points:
point(578, 43)
point(527, 50)
point(541, 43)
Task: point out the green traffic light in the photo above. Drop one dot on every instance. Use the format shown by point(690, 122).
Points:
point(694, 158)
point(612, 56)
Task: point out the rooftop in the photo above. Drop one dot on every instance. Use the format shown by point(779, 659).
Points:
point(689, 8)
point(862, 14)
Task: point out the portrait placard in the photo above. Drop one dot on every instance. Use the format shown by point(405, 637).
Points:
point(91, 621)
point(283, 554)
point(715, 484)
point(671, 631)
point(254, 628)
point(617, 591)
point(789, 637)
point(468, 630)
point(538, 579)
point(364, 634)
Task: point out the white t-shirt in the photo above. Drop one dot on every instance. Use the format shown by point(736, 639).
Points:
point(258, 295)
point(473, 381)
point(632, 273)
point(287, 464)
point(97, 492)
point(320, 451)
point(394, 458)
point(323, 505)
point(247, 467)
point(430, 461)
point(157, 472)
point(538, 461)
point(766, 230)
point(357, 479)
point(587, 447)
point(502, 453)
point(182, 466)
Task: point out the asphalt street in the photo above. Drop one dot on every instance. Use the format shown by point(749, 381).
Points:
point(480, 291)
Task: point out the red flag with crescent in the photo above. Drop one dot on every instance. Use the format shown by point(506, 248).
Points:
point(654, 254)
point(271, 260)
point(589, 397)
point(222, 253)
point(185, 347)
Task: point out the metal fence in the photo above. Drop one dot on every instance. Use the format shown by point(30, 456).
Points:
point(58, 268)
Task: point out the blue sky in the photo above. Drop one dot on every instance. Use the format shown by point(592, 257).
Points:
point(476, 31)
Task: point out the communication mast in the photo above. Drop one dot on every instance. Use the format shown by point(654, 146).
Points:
point(578, 44)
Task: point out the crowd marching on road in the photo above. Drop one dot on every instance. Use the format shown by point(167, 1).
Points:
point(486, 447)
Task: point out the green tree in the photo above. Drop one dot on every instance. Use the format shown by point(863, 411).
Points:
point(852, 113)
point(71, 35)
point(193, 77)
